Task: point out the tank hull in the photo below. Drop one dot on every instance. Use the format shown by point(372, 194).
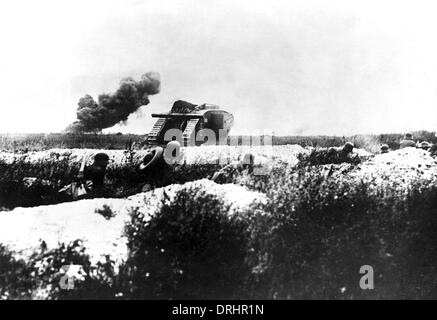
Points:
point(188, 122)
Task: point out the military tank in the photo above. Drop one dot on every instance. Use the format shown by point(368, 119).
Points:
point(190, 119)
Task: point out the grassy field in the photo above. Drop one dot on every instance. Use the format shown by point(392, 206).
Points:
point(38, 142)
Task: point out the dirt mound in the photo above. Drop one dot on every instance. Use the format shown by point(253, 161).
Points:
point(400, 169)
point(23, 229)
point(190, 155)
point(404, 165)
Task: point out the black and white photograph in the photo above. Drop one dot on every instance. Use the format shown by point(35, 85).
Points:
point(224, 150)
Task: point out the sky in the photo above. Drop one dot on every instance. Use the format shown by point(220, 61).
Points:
point(294, 67)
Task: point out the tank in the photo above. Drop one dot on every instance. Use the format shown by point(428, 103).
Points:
point(190, 119)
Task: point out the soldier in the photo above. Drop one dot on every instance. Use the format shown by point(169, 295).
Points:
point(337, 154)
point(385, 148)
point(425, 145)
point(407, 142)
point(248, 162)
point(95, 173)
point(347, 149)
point(154, 171)
point(227, 172)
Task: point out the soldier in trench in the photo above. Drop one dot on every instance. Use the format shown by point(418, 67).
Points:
point(424, 145)
point(344, 153)
point(385, 148)
point(154, 171)
point(407, 142)
point(94, 176)
point(226, 173)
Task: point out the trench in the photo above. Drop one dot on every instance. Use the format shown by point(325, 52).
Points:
point(121, 182)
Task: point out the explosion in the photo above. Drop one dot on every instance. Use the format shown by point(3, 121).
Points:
point(111, 109)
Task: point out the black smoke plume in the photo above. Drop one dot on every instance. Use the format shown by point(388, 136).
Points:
point(111, 109)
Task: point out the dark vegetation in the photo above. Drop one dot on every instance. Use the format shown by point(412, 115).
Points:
point(309, 241)
point(40, 276)
point(121, 180)
point(328, 156)
point(52, 175)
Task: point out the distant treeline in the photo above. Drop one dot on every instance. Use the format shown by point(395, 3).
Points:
point(37, 142)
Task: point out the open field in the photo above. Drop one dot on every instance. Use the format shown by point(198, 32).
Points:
point(40, 142)
point(301, 231)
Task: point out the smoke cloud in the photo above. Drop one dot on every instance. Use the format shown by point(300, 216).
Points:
point(111, 109)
